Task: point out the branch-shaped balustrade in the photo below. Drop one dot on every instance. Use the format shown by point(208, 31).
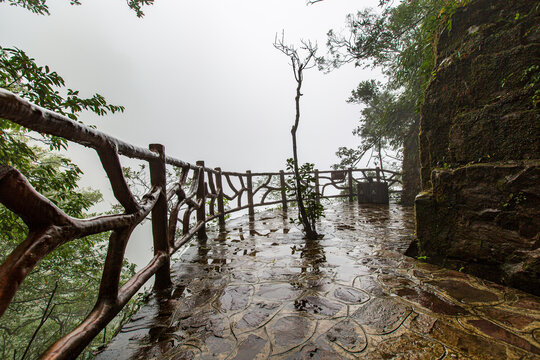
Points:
point(199, 195)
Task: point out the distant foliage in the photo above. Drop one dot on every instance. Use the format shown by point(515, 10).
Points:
point(399, 41)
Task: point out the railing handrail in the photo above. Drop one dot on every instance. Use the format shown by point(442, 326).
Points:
point(206, 185)
point(61, 126)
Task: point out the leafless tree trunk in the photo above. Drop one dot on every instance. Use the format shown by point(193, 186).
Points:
point(298, 66)
point(379, 148)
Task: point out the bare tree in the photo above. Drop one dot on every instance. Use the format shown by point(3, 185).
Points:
point(302, 58)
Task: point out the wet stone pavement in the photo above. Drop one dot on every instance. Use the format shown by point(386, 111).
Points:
point(259, 291)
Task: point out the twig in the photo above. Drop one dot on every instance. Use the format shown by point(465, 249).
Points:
point(44, 318)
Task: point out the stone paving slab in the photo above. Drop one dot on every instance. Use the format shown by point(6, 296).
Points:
point(261, 291)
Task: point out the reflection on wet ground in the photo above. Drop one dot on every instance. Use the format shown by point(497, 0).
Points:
point(259, 290)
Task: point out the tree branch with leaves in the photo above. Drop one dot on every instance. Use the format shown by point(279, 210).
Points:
point(40, 7)
point(398, 40)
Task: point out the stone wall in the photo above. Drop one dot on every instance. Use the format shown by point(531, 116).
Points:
point(411, 167)
point(480, 145)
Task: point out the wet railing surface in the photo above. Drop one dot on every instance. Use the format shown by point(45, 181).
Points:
point(259, 290)
point(179, 209)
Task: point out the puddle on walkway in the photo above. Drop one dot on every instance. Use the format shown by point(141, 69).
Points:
point(259, 290)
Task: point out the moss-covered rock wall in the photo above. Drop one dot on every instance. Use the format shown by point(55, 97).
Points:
point(480, 145)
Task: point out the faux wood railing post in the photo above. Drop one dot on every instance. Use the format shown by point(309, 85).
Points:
point(249, 179)
point(317, 194)
point(158, 177)
point(283, 191)
point(201, 198)
point(220, 201)
point(350, 176)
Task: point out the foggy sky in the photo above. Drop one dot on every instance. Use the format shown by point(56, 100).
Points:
point(200, 77)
